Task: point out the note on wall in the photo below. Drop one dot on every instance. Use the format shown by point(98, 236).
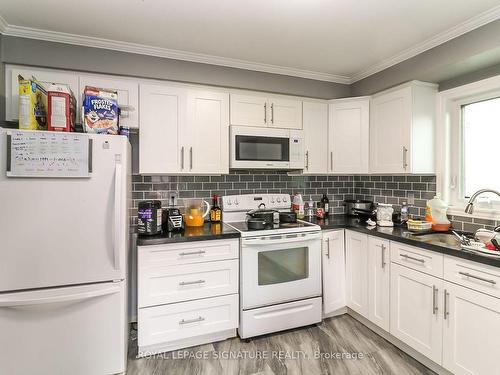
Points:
point(48, 154)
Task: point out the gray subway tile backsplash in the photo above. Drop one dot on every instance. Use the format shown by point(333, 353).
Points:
point(379, 188)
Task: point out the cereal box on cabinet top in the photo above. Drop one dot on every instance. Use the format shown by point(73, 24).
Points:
point(100, 110)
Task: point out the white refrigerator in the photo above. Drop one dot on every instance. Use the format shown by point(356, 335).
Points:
point(63, 261)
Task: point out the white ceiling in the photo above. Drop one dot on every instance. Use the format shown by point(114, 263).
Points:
point(333, 40)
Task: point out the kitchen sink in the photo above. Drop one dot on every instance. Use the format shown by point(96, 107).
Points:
point(447, 239)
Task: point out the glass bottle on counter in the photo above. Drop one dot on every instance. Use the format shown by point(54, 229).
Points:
point(325, 202)
point(215, 211)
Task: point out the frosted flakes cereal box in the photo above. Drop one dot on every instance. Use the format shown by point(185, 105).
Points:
point(100, 110)
point(32, 104)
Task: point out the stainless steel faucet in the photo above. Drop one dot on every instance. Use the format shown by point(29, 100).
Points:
point(469, 209)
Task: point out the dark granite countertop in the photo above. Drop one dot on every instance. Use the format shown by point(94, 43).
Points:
point(401, 234)
point(206, 232)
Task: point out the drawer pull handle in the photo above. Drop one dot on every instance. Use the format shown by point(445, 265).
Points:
point(412, 258)
point(182, 283)
point(199, 252)
point(466, 274)
point(198, 319)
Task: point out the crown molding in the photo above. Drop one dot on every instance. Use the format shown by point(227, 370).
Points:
point(53, 36)
point(473, 23)
point(59, 37)
point(3, 25)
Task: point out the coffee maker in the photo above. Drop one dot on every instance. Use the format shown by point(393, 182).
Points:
point(172, 218)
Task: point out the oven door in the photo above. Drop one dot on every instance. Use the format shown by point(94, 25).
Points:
point(280, 268)
point(260, 148)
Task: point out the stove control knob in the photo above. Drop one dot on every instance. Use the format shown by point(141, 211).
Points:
point(272, 199)
point(236, 202)
point(284, 199)
point(278, 200)
point(229, 202)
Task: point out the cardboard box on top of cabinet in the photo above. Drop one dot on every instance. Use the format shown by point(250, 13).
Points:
point(32, 104)
point(61, 108)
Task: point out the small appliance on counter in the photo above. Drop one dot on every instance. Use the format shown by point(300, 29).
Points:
point(172, 219)
point(384, 215)
point(352, 206)
point(149, 217)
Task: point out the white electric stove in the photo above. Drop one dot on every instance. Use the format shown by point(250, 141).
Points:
point(280, 267)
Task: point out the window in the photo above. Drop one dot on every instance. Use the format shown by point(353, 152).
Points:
point(480, 148)
point(468, 146)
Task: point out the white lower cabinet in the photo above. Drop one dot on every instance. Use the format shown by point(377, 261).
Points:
point(417, 310)
point(356, 246)
point(187, 294)
point(333, 271)
point(378, 281)
point(471, 333)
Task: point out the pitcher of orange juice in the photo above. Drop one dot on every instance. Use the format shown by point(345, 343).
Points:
point(195, 212)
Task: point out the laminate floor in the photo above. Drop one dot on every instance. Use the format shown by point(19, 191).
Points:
point(310, 350)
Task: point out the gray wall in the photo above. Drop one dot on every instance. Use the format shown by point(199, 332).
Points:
point(66, 56)
point(461, 60)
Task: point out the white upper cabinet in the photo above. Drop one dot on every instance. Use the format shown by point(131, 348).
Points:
point(285, 113)
point(128, 95)
point(379, 281)
point(348, 135)
point(248, 110)
point(402, 129)
point(356, 248)
point(315, 122)
point(183, 131)
point(208, 132)
point(163, 115)
point(264, 110)
point(333, 271)
point(42, 75)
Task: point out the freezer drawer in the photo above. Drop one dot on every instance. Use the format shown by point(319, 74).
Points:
point(71, 330)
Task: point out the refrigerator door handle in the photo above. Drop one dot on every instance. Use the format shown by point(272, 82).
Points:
point(117, 216)
point(58, 298)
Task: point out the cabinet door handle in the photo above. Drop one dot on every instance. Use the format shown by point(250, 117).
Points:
point(199, 252)
point(272, 113)
point(412, 258)
point(383, 255)
point(466, 274)
point(307, 160)
point(190, 158)
point(445, 305)
point(434, 300)
point(182, 157)
point(187, 321)
point(331, 160)
point(182, 283)
point(405, 154)
point(328, 248)
point(265, 113)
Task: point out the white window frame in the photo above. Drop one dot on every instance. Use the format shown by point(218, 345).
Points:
point(449, 144)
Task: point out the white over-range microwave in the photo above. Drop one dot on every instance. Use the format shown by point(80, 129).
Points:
point(266, 148)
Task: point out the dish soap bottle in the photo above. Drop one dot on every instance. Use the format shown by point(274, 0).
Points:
point(435, 212)
point(298, 205)
point(215, 211)
point(325, 202)
point(405, 213)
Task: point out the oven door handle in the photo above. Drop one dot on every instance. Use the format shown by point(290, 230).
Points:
point(280, 239)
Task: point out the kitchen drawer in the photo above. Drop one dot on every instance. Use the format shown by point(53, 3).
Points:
point(167, 284)
point(184, 253)
point(418, 259)
point(162, 324)
point(477, 276)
